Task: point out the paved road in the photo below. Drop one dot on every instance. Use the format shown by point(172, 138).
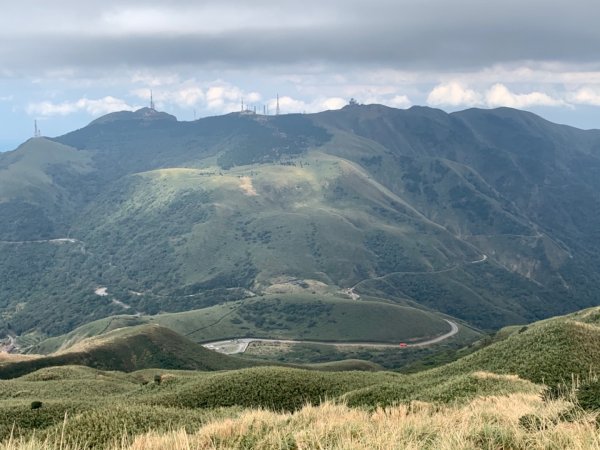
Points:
point(233, 346)
point(42, 241)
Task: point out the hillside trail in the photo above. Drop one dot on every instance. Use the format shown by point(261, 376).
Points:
point(355, 296)
point(240, 345)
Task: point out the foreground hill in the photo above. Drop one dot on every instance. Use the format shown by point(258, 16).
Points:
point(552, 352)
point(487, 216)
point(480, 407)
point(328, 317)
point(547, 352)
point(128, 350)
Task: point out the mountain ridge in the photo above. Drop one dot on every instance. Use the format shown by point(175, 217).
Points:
point(397, 200)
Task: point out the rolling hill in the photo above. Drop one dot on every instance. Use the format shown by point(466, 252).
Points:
point(499, 383)
point(128, 350)
point(488, 216)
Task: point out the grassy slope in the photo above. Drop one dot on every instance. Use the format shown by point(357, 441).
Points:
point(268, 220)
point(251, 200)
point(550, 351)
point(37, 198)
point(27, 171)
point(547, 350)
point(130, 349)
point(327, 316)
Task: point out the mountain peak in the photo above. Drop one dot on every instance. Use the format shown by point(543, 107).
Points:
point(143, 114)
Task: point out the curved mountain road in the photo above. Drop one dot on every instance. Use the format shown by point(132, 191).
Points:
point(240, 345)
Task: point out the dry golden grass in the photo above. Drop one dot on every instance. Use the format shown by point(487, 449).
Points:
point(485, 423)
point(489, 423)
point(15, 357)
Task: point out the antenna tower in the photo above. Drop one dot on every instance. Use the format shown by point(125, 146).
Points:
point(151, 101)
point(277, 109)
point(36, 131)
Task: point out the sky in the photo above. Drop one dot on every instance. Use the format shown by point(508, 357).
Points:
point(66, 62)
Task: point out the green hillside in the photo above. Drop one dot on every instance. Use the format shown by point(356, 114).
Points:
point(40, 189)
point(551, 351)
point(501, 375)
point(486, 216)
point(325, 317)
point(130, 349)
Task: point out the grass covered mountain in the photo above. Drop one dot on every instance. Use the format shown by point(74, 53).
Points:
point(129, 349)
point(327, 317)
point(494, 397)
point(489, 216)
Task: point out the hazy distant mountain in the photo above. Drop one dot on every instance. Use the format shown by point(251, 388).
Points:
point(490, 216)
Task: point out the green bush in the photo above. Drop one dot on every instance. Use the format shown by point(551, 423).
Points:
point(270, 387)
point(588, 396)
point(386, 394)
point(103, 426)
point(22, 420)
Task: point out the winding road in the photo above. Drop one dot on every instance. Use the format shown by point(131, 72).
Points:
point(44, 241)
point(355, 296)
point(240, 345)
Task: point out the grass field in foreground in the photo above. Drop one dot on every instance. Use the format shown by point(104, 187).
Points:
point(462, 405)
point(518, 421)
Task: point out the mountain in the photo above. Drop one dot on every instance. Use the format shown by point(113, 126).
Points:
point(489, 216)
point(128, 350)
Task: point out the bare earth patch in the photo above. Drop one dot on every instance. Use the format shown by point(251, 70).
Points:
point(101, 291)
point(247, 187)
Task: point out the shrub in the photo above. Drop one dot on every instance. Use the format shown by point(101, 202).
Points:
point(588, 396)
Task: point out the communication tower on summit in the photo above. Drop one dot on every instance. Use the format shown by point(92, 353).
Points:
point(277, 109)
point(36, 131)
point(152, 101)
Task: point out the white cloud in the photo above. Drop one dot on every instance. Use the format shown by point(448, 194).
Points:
point(453, 94)
point(184, 96)
point(399, 101)
point(225, 98)
point(500, 95)
point(6, 98)
point(333, 103)
point(586, 96)
point(458, 94)
point(287, 105)
point(96, 107)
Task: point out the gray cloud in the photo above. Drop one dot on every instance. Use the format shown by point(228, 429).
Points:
point(411, 34)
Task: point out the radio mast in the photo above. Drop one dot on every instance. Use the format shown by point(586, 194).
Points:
point(152, 101)
point(277, 109)
point(36, 131)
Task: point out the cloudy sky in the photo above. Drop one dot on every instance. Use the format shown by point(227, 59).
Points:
point(65, 62)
